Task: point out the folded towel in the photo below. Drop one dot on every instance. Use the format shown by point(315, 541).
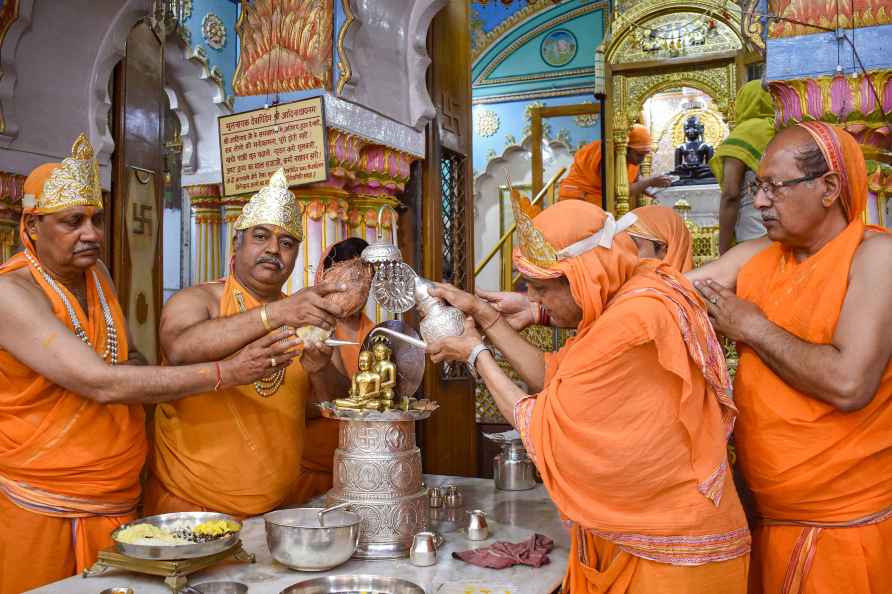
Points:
point(532, 552)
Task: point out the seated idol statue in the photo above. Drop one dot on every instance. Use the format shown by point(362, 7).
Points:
point(692, 157)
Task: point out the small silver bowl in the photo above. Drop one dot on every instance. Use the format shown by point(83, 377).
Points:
point(118, 590)
point(297, 540)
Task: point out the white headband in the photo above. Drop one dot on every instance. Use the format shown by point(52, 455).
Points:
point(603, 238)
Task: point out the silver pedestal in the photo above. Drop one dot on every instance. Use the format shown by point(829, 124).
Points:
point(377, 469)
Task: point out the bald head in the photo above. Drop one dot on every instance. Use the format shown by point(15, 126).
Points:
point(808, 156)
point(802, 205)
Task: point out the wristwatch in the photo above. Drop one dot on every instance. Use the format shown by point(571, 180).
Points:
point(472, 358)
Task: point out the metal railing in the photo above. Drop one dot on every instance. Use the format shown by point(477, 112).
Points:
point(549, 187)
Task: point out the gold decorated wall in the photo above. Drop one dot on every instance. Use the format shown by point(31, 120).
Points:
point(662, 45)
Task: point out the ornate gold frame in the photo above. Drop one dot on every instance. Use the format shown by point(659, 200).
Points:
point(718, 74)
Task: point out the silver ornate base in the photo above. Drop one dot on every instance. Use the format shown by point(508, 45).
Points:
point(377, 469)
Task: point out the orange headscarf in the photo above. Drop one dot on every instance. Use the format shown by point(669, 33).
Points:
point(662, 224)
point(844, 156)
point(639, 138)
point(593, 428)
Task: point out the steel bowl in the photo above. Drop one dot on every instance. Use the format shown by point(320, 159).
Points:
point(354, 584)
point(297, 540)
point(184, 551)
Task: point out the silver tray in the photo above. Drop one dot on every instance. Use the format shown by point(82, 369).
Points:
point(184, 551)
point(354, 584)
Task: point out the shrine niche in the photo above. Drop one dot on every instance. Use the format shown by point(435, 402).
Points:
point(285, 45)
point(664, 46)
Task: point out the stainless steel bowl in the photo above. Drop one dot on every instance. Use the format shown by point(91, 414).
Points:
point(354, 584)
point(297, 540)
point(184, 551)
point(118, 590)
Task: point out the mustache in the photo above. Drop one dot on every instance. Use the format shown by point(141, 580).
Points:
point(270, 260)
point(86, 247)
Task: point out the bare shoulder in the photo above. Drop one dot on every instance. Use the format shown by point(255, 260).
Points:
point(200, 301)
point(18, 288)
point(727, 267)
point(873, 255)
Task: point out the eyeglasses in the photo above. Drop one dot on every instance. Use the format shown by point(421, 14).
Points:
point(770, 187)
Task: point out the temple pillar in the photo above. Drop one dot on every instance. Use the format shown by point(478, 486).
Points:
point(621, 142)
point(232, 208)
point(207, 221)
point(11, 192)
point(324, 219)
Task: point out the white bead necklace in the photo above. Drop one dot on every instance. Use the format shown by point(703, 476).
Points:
point(111, 332)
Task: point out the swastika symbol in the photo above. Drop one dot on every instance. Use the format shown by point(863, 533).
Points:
point(142, 219)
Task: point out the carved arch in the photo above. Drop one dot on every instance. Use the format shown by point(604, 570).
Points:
point(624, 24)
point(9, 43)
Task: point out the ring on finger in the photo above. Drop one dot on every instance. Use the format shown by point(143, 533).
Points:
point(714, 300)
point(272, 361)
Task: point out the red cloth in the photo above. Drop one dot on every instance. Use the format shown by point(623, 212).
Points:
point(532, 552)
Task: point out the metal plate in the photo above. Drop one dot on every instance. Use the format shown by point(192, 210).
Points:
point(354, 584)
point(185, 551)
point(393, 286)
point(409, 359)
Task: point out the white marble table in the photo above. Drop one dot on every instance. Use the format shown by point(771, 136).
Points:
point(513, 516)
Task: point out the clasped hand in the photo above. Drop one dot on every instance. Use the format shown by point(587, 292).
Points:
point(731, 316)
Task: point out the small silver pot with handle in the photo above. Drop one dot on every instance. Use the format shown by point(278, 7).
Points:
point(512, 469)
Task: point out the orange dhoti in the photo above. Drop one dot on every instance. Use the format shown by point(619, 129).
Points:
point(69, 467)
point(234, 451)
point(821, 478)
point(607, 569)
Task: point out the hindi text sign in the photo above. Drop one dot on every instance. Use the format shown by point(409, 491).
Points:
point(254, 144)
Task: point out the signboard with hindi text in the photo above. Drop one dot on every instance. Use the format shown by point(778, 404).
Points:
point(254, 144)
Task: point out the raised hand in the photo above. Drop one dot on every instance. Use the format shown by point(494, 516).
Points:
point(659, 181)
point(730, 315)
point(456, 348)
point(309, 307)
point(261, 358)
point(316, 356)
point(515, 307)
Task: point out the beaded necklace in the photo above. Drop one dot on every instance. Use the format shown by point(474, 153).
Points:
point(111, 332)
point(269, 385)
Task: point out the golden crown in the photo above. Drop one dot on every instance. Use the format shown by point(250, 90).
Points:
point(533, 245)
point(74, 183)
point(273, 205)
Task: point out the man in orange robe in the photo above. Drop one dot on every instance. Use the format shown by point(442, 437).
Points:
point(811, 315)
point(628, 422)
point(583, 181)
point(317, 464)
point(658, 233)
point(239, 451)
point(72, 430)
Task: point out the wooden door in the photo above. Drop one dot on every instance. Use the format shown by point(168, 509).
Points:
point(135, 212)
point(449, 436)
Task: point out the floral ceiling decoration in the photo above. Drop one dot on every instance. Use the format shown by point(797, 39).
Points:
point(214, 31)
point(487, 122)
